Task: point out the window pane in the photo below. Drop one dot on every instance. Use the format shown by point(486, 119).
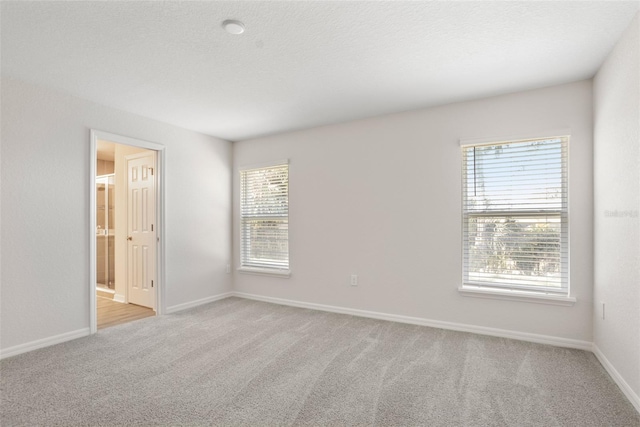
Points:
point(515, 176)
point(515, 250)
point(267, 242)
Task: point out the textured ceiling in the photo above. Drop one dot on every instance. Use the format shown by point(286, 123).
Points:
point(301, 64)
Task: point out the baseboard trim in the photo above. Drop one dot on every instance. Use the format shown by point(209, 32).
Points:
point(461, 327)
point(617, 378)
point(191, 304)
point(44, 342)
point(119, 298)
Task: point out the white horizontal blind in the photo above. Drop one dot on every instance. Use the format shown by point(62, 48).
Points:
point(515, 215)
point(264, 212)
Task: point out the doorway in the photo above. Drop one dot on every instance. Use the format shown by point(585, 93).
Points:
point(126, 244)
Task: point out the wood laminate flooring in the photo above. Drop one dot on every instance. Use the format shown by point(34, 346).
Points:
point(111, 313)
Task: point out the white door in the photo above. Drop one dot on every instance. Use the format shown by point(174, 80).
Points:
point(141, 230)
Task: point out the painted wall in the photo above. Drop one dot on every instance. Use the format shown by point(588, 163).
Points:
point(381, 198)
point(617, 207)
point(104, 167)
point(45, 209)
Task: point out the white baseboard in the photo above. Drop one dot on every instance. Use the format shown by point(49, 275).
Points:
point(482, 330)
point(68, 336)
point(191, 304)
point(119, 298)
point(44, 342)
point(626, 388)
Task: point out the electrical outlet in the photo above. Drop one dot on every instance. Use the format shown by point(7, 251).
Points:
point(354, 280)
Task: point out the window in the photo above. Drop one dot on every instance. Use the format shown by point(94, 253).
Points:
point(264, 218)
point(515, 216)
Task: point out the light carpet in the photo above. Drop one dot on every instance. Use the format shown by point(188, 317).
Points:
point(240, 362)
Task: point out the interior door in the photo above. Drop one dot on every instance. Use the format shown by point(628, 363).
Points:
point(141, 230)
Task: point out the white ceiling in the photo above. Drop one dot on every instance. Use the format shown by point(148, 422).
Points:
point(301, 64)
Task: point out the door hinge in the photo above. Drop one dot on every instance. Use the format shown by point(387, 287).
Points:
point(151, 227)
point(152, 283)
point(151, 170)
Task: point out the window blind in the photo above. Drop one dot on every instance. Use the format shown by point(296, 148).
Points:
point(264, 212)
point(515, 215)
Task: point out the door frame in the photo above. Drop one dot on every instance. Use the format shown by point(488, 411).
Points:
point(95, 135)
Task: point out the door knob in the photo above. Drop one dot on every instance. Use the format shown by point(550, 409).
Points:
point(129, 238)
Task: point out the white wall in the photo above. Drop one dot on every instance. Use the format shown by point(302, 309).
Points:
point(45, 209)
point(617, 208)
point(381, 198)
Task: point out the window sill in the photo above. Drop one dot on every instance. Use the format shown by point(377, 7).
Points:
point(265, 271)
point(511, 295)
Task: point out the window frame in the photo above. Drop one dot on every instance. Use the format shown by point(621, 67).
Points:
point(256, 267)
point(514, 291)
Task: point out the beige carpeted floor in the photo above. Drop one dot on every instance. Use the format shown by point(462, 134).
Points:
point(241, 362)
